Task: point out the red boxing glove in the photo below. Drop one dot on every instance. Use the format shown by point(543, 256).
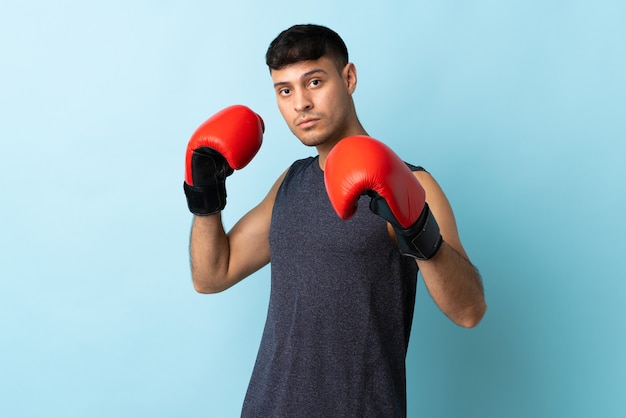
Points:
point(225, 142)
point(360, 165)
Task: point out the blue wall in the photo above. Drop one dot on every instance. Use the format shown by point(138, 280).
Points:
point(517, 108)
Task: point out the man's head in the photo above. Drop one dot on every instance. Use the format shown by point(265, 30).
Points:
point(314, 82)
point(306, 43)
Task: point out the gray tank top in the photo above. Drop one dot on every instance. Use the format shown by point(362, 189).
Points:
point(340, 310)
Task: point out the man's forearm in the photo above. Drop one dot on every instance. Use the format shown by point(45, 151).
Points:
point(455, 286)
point(209, 253)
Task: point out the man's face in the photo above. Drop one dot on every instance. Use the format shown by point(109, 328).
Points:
point(315, 100)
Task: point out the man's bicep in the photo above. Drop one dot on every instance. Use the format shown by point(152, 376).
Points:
point(249, 245)
point(249, 237)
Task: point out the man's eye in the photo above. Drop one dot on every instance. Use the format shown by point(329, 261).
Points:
point(316, 83)
point(284, 92)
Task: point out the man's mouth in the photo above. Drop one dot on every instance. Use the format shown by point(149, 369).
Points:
point(307, 123)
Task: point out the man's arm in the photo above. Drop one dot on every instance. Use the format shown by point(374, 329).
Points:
point(220, 260)
point(225, 142)
point(419, 217)
point(451, 279)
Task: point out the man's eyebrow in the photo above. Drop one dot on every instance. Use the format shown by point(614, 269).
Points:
point(310, 73)
point(305, 75)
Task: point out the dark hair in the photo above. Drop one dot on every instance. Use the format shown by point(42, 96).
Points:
point(306, 43)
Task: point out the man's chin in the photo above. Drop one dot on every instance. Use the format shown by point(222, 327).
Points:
point(311, 140)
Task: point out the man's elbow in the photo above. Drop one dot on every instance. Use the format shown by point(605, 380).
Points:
point(205, 286)
point(205, 290)
point(472, 316)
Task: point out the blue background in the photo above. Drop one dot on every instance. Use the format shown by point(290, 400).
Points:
point(516, 107)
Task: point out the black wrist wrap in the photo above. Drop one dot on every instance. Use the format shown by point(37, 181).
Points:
point(421, 240)
point(206, 200)
point(209, 171)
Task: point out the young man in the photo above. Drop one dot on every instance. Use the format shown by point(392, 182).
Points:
point(343, 287)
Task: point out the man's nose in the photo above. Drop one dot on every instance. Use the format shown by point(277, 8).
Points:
point(303, 101)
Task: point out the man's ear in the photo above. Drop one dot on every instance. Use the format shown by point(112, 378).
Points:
point(349, 77)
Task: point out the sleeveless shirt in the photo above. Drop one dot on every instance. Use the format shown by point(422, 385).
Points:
point(340, 311)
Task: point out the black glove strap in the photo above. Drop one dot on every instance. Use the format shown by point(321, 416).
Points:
point(210, 169)
point(206, 200)
point(421, 240)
